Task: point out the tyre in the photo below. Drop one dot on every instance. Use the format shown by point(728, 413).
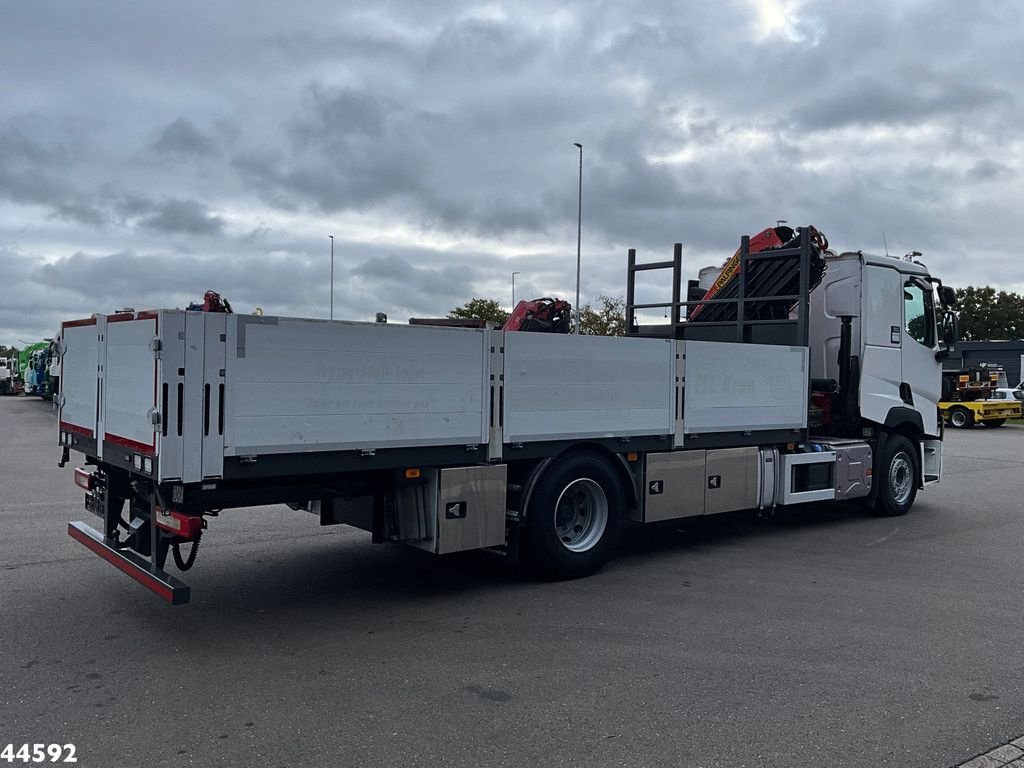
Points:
point(960, 417)
point(993, 423)
point(575, 517)
point(896, 475)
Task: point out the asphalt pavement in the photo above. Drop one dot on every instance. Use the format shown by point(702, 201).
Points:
point(831, 638)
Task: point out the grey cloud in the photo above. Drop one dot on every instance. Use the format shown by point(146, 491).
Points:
point(871, 101)
point(988, 169)
point(183, 139)
point(182, 216)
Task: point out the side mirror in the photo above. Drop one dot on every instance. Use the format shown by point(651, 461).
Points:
point(950, 329)
point(947, 296)
point(950, 334)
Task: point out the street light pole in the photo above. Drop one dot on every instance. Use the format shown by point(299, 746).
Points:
point(514, 291)
point(332, 276)
point(579, 234)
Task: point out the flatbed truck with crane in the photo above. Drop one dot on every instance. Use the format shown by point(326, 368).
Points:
point(805, 375)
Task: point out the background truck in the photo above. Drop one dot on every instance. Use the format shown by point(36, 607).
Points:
point(970, 396)
point(10, 378)
point(809, 376)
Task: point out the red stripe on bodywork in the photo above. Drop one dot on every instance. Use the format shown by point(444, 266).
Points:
point(135, 445)
point(76, 429)
point(76, 323)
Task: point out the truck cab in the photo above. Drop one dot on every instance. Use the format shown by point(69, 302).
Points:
point(898, 330)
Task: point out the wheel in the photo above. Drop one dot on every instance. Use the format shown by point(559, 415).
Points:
point(575, 517)
point(993, 423)
point(896, 475)
point(960, 417)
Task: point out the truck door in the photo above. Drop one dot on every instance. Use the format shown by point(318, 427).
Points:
point(922, 373)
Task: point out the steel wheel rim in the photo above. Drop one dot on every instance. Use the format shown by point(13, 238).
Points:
point(958, 419)
point(581, 515)
point(901, 475)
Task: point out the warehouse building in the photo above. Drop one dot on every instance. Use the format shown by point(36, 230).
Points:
point(1008, 354)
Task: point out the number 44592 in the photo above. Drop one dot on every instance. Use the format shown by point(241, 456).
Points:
point(39, 753)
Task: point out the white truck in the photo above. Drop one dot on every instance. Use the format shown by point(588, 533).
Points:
point(9, 376)
point(816, 380)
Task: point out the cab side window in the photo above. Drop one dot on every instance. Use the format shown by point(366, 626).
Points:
point(919, 313)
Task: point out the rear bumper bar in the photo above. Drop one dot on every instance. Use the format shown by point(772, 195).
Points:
point(154, 579)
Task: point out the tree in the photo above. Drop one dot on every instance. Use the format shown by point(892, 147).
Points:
point(989, 314)
point(609, 319)
point(485, 309)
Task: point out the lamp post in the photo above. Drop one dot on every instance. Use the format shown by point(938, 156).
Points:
point(579, 234)
point(514, 291)
point(332, 276)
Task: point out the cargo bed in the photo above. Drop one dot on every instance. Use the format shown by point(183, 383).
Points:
point(197, 396)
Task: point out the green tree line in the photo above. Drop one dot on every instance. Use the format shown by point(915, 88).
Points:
point(986, 313)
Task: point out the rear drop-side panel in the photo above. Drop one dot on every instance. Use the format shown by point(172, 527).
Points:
point(130, 386)
point(79, 376)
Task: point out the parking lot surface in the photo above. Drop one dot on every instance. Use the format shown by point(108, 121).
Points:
point(830, 638)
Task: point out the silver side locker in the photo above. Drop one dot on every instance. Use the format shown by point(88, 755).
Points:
point(674, 485)
point(689, 483)
point(733, 480)
point(454, 510)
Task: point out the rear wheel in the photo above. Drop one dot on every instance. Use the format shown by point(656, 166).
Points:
point(993, 423)
point(896, 473)
point(960, 417)
point(575, 516)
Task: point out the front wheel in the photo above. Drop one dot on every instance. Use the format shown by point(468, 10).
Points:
point(961, 418)
point(993, 423)
point(575, 516)
point(896, 475)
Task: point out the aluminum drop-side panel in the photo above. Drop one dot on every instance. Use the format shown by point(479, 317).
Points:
point(310, 385)
point(744, 387)
point(574, 387)
point(130, 383)
point(80, 369)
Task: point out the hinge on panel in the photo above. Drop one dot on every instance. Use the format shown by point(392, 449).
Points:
point(154, 417)
point(155, 345)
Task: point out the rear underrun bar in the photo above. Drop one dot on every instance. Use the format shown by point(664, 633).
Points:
point(154, 579)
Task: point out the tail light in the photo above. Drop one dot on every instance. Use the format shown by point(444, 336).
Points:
point(84, 478)
point(187, 527)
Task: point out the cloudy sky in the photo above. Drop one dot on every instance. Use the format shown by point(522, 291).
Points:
point(149, 152)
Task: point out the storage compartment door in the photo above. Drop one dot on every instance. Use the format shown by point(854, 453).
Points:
point(674, 485)
point(732, 480)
